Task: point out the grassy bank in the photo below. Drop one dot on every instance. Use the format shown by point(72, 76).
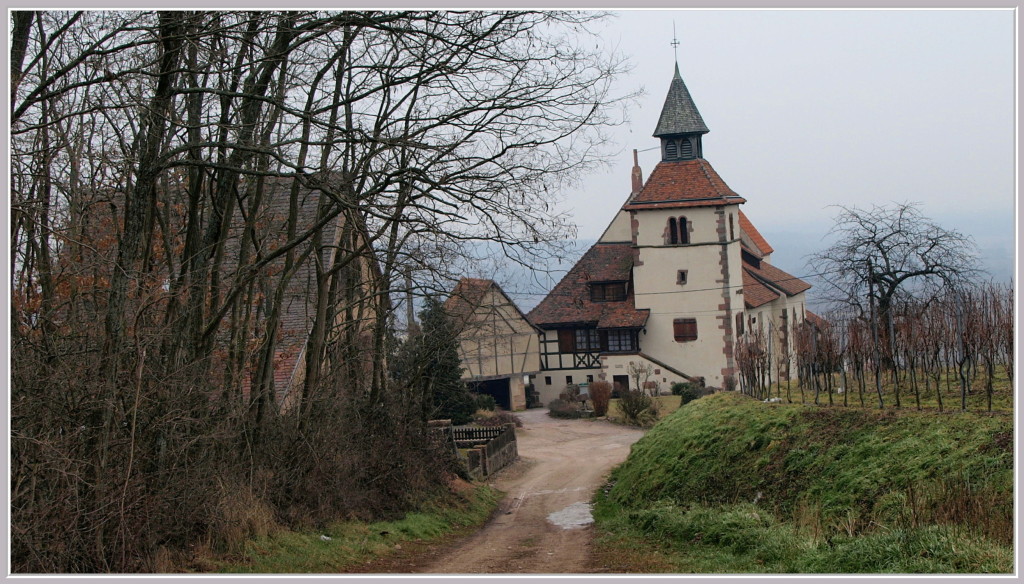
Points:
point(730, 484)
point(348, 546)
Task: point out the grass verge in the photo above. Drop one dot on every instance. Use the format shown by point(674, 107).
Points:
point(349, 545)
point(728, 484)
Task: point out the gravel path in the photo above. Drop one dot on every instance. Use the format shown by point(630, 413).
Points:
point(544, 524)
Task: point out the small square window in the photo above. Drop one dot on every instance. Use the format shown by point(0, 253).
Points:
point(568, 379)
point(590, 379)
point(681, 277)
point(547, 380)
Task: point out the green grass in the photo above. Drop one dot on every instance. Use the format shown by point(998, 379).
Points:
point(747, 539)
point(730, 484)
point(353, 543)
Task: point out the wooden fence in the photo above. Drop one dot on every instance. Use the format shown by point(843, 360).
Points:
point(484, 451)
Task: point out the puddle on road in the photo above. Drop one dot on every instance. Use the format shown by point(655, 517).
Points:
point(574, 516)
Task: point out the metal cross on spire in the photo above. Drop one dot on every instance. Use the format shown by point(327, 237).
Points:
point(675, 43)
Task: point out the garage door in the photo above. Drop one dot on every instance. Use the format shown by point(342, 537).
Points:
point(496, 388)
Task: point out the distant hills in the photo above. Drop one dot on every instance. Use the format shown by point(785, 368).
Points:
point(793, 248)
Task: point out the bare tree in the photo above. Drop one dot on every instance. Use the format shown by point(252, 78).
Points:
point(882, 252)
point(199, 197)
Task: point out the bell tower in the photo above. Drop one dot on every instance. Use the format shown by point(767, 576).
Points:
point(680, 126)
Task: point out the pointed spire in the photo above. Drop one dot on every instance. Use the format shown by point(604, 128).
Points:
point(679, 114)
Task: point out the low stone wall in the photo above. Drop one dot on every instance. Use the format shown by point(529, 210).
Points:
point(490, 449)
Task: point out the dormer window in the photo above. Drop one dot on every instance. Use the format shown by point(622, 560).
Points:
point(608, 292)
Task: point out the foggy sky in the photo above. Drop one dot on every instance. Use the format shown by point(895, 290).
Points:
point(812, 108)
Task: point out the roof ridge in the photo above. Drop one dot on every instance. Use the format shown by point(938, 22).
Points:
point(759, 273)
point(512, 301)
point(704, 168)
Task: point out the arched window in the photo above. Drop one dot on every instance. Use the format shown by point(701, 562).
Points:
point(678, 231)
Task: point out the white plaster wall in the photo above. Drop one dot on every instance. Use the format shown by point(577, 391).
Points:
point(702, 221)
point(498, 340)
point(700, 298)
point(769, 317)
point(619, 230)
point(777, 307)
point(550, 391)
point(517, 392)
point(620, 365)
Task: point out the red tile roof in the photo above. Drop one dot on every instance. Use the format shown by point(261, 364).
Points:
point(683, 183)
point(768, 276)
point(569, 302)
point(763, 282)
point(815, 319)
point(755, 236)
point(791, 285)
point(622, 315)
point(754, 292)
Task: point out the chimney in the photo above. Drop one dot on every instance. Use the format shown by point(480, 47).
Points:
point(638, 177)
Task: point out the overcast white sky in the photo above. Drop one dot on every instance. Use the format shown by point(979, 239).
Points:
point(811, 108)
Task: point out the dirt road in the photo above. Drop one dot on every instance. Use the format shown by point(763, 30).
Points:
point(544, 525)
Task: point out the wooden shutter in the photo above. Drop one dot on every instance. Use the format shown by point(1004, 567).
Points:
point(671, 149)
point(685, 329)
point(687, 149)
point(566, 341)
